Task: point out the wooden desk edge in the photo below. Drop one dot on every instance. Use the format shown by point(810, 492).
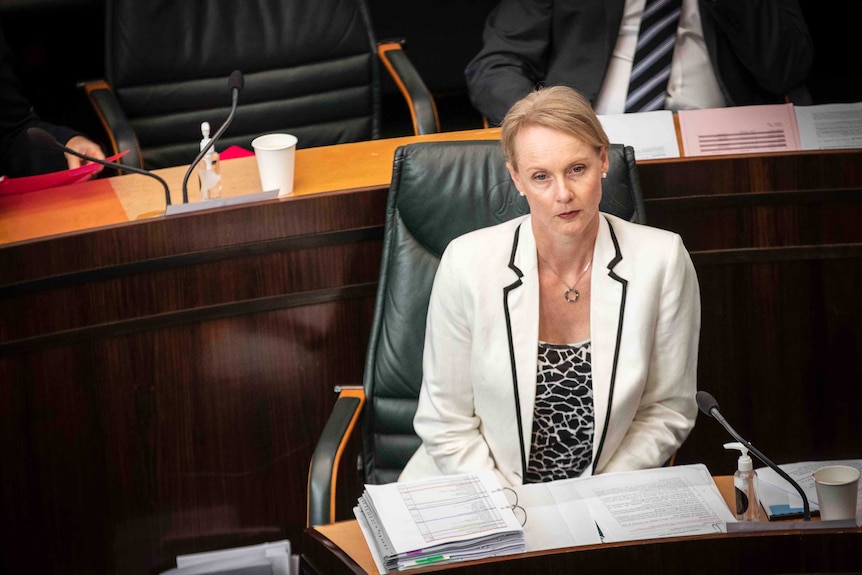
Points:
point(348, 546)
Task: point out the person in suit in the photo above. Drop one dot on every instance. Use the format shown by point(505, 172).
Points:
point(18, 155)
point(562, 343)
point(726, 53)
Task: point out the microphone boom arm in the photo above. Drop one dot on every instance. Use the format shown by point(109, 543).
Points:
point(210, 144)
point(806, 511)
point(113, 166)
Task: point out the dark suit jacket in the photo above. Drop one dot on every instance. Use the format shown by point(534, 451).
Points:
point(760, 49)
point(18, 155)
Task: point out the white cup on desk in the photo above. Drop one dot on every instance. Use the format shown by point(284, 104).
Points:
point(837, 488)
point(275, 155)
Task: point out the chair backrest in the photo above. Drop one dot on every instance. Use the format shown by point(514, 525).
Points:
point(439, 191)
point(310, 68)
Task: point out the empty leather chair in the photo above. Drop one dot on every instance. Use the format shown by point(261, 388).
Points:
point(311, 69)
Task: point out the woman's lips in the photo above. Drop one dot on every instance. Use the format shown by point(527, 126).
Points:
point(568, 215)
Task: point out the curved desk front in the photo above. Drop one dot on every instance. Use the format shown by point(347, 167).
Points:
point(340, 548)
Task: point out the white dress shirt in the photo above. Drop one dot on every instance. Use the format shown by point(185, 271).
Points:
point(692, 84)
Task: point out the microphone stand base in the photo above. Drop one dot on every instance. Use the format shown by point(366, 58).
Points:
point(220, 203)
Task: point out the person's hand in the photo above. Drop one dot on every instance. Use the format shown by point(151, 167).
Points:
point(84, 146)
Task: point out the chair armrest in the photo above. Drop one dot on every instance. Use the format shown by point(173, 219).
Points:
point(423, 109)
point(323, 471)
point(115, 122)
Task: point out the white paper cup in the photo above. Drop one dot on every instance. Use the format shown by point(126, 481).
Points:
point(837, 487)
point(275, 155)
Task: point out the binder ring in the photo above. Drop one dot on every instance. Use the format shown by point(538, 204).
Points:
point(518, 510)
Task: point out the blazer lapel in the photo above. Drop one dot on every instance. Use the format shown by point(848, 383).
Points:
point(606, 321)
point(521, 309)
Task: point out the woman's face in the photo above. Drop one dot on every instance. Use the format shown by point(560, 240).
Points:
point(561, 177)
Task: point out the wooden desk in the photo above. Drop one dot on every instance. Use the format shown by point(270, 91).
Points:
point(340, 548)
point(163, 381)
point(121, 199)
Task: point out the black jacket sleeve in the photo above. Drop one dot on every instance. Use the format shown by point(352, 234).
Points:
point(513, 58)
point(760, 46)
point(18, 155)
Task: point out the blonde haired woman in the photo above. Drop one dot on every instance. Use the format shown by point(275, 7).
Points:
point(562, 343)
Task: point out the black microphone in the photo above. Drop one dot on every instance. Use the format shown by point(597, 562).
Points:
point(235, 82)
point(709, 406)
point(45, 138)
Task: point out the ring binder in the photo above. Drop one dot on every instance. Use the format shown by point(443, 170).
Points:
point(440, 520)
point(519, 511)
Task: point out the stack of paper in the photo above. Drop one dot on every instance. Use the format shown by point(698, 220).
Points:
point(265, 559)
point(438, 521)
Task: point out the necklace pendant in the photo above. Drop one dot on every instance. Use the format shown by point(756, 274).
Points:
point(572, 291)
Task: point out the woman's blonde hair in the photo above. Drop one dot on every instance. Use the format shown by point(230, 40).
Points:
point(557, 107)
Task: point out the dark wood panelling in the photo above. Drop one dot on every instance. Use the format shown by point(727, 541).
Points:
point(780, 340)
point(789, 171)
point(163, 383)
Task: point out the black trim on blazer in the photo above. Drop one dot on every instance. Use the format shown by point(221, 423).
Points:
point(517, 283)
point(617, 258)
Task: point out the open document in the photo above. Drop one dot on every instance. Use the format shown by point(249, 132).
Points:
point(780, 500)
point(648, 504)
point(462, 517)
point(438, 521)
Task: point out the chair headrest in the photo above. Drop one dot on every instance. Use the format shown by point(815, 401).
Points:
point(429, 178)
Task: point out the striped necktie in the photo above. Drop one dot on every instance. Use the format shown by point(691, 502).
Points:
point(653, 55)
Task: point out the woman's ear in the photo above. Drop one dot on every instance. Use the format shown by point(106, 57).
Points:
point(516, 178)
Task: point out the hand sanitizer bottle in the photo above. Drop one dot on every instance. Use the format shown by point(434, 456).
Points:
point(745, 485)
point(209, 169)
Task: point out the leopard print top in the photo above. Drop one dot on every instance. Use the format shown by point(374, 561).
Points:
point(562, 442)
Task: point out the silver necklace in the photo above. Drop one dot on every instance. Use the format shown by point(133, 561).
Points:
point(569, 289)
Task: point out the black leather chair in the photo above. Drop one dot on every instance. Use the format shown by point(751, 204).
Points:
point(311, 69)
point(439, 191)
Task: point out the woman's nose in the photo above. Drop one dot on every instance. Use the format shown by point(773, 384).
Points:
point(562, 193)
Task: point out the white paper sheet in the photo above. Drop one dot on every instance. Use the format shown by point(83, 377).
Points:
point(653, 503)
point(830, 126)
point(651, 134)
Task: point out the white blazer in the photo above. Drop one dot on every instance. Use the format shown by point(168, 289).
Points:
point(481, 351)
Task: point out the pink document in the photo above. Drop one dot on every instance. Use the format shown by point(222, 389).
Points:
point(52, 179)
point(739, 130)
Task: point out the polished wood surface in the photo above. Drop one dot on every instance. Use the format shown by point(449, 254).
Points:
point(163, 380)
point(341, 548)
point(120, 199)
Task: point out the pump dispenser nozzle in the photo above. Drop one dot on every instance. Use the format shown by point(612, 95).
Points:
point(209, 170)
point(744, 458)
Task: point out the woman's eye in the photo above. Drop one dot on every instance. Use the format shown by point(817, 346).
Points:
point(578, 169)
point(540, 177)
